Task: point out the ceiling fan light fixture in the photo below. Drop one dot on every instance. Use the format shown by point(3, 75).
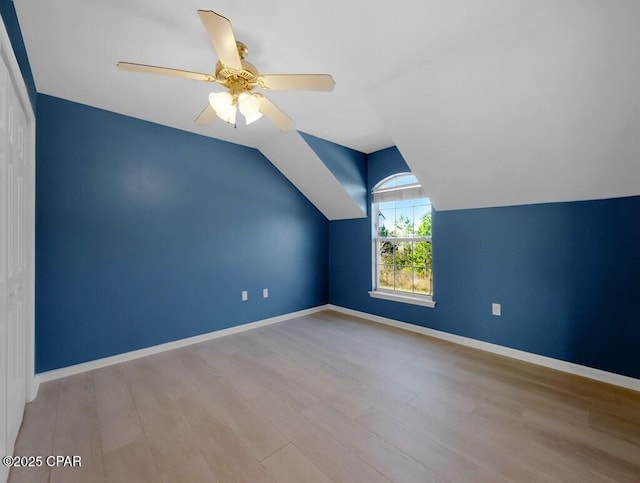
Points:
point(224, 105)
point(253, 118)
point(249, 106)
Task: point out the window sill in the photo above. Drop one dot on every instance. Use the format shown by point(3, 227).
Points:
point(405, 299)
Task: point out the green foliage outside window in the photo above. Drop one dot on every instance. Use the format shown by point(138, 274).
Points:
point(406, 265)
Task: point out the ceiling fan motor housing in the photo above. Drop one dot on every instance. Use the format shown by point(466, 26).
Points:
point(237, 80)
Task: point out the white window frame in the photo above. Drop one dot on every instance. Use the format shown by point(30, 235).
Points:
point(410, 191)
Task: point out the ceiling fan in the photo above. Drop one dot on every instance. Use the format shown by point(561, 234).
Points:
point(239, 77)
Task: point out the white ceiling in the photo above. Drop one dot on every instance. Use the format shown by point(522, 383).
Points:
point(491, 102)
point(73, 46)
point(543, 108)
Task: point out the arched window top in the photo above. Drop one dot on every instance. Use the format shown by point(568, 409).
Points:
point(401, 186)
point(400, 180)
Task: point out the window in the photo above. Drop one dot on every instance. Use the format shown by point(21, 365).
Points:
point(402, 241)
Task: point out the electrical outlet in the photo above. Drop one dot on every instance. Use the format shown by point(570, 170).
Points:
point(496, 309)
point(265, 293)
point(245, 295)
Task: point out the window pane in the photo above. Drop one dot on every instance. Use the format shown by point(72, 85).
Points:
point(386, 252)
point(385, 277)
point(422, 256)
point(386, 219)
point(423, 281)
point(386, 257)
point(406, 205)
point(403, 262)
point(404, 278)
point(404, 253)
point(422, 267)
point(404, 219)
point(399, 181)
point(422, 219)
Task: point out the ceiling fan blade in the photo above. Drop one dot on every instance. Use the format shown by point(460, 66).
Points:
point(206, 116)
point(151, 69)
point(305, 82)
point(222, 38)
point(274, 113)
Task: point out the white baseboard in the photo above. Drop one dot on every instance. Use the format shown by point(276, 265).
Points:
point(176, 344)
point(564, 366)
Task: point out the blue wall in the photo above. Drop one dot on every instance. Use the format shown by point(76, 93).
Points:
point(146, 234)
point(566, 274)
point(347, 165)
point(10, 20)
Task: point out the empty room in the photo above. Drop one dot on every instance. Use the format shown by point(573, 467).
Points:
point(320, 241)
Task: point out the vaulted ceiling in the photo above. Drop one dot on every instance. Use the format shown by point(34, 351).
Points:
point(491, 102)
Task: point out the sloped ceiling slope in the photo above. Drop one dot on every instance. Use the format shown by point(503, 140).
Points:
point(545, 108)
point(293, 156)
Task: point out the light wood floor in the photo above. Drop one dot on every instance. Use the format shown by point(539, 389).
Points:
point(331, 398)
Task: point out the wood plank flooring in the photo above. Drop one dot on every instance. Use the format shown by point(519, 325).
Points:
point(331, 398)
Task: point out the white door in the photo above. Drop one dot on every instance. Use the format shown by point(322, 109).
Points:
point(16, 253)
point(15, 278)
